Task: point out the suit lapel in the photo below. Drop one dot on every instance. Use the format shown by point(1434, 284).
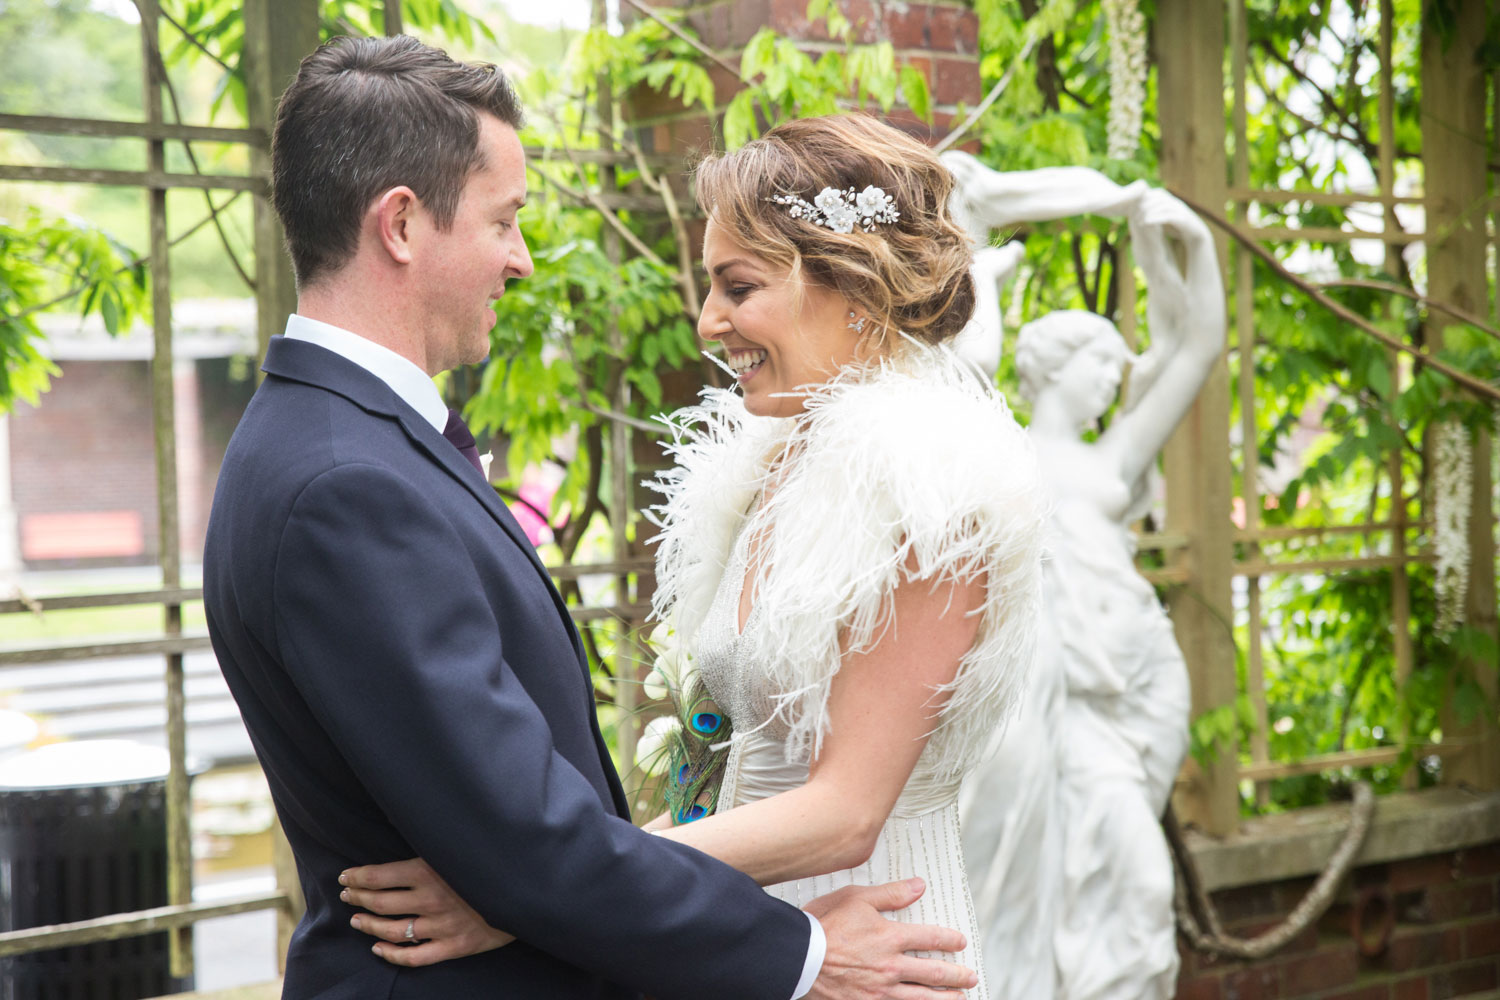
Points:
point(319, 366)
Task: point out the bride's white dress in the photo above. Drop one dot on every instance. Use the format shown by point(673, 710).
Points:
point(913, 469)
point(921, 836)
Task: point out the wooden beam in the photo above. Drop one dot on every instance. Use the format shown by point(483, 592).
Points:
point(104, 128)
point(1325, 234)
point(97, 650)
point(41, 605)
point(1190, 43)
point(154, 180)
point(1372, 757)
point(1336, 198)
point(123, 925)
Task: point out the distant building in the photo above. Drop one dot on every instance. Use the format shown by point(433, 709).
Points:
point(78, 470)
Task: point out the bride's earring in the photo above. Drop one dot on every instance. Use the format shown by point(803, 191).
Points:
point(856, 322)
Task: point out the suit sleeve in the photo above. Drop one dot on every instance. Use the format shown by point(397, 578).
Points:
point(384, 625)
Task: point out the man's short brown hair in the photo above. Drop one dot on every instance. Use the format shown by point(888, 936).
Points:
point(365, 115)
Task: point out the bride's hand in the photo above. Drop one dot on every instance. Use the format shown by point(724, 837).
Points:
point(409, 896)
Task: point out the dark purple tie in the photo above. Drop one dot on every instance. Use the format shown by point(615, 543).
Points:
point(457, 432)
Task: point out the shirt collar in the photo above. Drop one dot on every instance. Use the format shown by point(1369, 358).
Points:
point(406, 380)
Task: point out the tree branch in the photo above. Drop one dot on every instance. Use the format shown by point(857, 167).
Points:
point(81, 287)
point(193, 40)
point(166, 81)
point(703, 50)
point(1461, 315)
point(1475, 385)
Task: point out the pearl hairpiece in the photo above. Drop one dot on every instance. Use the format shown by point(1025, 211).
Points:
point(841, 211)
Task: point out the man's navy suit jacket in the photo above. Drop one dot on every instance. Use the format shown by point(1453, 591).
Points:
point(413, 686)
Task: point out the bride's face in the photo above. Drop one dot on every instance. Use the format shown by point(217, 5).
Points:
point(778, 334)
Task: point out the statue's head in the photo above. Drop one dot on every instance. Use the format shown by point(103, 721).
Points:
point(1076, 354)
point(909, 274)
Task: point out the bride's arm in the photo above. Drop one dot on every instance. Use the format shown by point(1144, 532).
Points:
point(881, 710)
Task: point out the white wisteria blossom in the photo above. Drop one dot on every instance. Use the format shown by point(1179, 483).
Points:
point(1452, 484)
point(1127, 75)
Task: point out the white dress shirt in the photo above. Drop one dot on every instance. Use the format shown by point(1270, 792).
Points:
point(406, 380)
point(416, 388)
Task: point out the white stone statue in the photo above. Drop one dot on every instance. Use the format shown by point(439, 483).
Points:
point(1071, 875)
point(985, 200)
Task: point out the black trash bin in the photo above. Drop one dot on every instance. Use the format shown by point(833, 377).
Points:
point(83, 833)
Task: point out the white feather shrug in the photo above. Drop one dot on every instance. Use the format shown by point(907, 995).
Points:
point(914, 461)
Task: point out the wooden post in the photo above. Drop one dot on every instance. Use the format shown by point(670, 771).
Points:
point(1190, 83)
point(278, 34)
point(287, 881)
point(1455, 164)
point(627, 656)
point(169, 541)
point(1244, 327)
point(1400, 583)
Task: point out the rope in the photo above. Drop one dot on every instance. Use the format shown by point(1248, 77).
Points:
point(1198, 921)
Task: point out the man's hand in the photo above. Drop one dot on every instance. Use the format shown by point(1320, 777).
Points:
point(867, 953)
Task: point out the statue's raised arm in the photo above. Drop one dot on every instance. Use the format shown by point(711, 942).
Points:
point(988, 199)
point(1185, 320)
point(984, 200)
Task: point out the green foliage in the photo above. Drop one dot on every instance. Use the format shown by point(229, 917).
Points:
point(786, 82)
point(1330, 407)
point(38, 254)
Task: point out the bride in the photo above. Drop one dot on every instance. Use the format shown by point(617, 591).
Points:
point(850, 547)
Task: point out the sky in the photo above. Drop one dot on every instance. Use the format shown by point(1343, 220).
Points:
point(550, 13)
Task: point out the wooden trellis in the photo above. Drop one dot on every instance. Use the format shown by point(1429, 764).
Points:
point(278, 33)
point(1200, 539)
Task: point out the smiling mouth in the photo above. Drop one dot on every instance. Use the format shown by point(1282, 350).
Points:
point(746, 363)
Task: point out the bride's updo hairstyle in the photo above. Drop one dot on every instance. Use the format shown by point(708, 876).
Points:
point(911, 275)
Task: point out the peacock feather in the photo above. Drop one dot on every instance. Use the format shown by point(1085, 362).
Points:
point(682, 754)
point(697, 748)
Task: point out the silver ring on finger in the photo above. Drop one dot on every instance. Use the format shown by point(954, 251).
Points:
point(411, 929)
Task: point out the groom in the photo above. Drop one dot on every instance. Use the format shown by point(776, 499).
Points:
point(411, 680)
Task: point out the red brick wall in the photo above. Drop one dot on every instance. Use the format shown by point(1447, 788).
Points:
point(1428, 929)
point(87, 447)
point(941, 39)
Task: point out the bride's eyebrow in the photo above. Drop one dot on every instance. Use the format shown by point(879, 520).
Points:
point(721, 268)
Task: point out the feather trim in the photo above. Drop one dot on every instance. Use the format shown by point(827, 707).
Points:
point(914, 460)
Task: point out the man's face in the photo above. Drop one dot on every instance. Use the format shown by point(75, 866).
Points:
point(465, 268)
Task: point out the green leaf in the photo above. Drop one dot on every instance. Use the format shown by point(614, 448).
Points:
point(739, 120)
point(914, 90)
point(758, 54)
point(1378, 376)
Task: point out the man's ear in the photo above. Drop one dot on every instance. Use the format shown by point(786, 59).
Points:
point(394, 213)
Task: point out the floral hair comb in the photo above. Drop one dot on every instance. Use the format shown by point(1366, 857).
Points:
point(841, 211)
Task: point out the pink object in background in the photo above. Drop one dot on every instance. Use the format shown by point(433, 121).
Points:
point(539, 485)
